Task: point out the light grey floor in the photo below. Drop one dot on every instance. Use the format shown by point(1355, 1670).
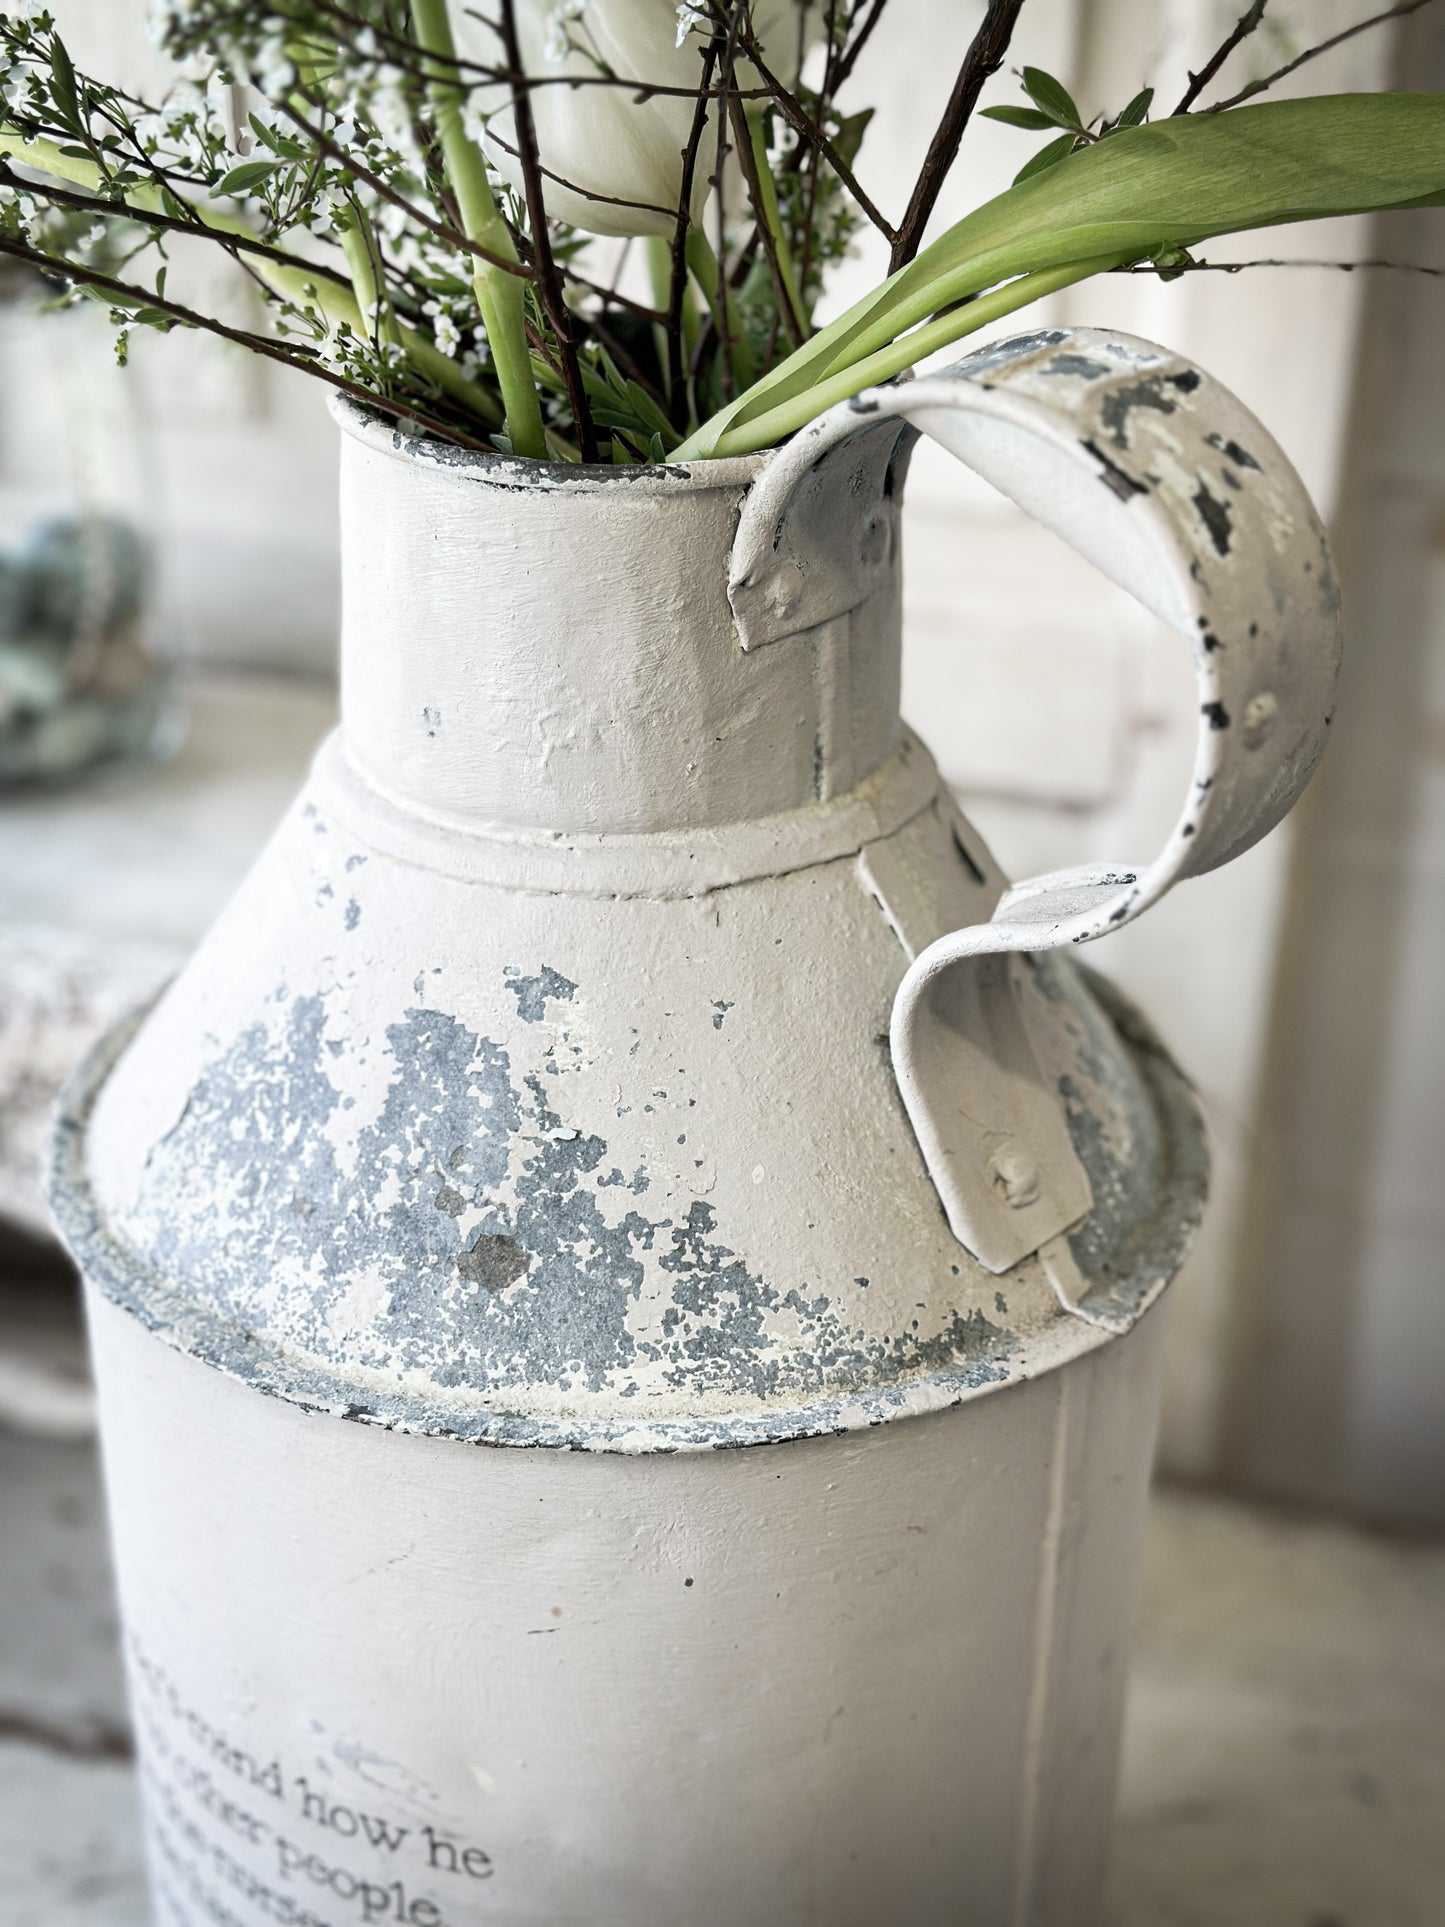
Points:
point(1285, 1745)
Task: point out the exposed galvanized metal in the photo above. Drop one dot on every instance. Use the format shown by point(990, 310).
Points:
point(538, 1088)
point(564, 1126)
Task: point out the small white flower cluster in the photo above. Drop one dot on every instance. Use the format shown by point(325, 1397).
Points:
point(557, 38)
point(693, 16)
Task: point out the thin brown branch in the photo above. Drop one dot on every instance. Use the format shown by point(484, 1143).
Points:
point(676, 375)
point(1242, 29)
point(549, 284)
point(848, 59)
point(802, 123)
point(127, 294)
point(1313, 53)
point(611, 296)
point(167, 224)
point(343, 157)
point(1238, 267)
point(576, 187)
point(982, 61)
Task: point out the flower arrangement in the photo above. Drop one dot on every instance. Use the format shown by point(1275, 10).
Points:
point(423, 191)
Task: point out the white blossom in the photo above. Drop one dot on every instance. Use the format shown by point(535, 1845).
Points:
point(613, 163)
point(691, 16)
point(557, 41)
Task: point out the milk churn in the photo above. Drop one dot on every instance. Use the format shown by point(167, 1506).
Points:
point(624, 1272)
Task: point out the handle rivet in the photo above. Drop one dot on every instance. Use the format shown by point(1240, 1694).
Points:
point(1013, 1173)
point(1257, 722)
point(784, 588)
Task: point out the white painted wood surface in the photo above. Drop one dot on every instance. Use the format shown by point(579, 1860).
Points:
point(1341, 1329)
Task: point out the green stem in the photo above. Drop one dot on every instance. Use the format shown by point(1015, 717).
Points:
point(500, 296)
point(318, 292)
point(658, 258)
point(784, 420)
point(358, 244)
point(707, 272)
point(771, 214)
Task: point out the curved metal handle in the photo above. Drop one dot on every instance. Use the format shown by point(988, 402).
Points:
point(1162, 479)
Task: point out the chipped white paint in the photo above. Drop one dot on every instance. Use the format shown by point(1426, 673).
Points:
point(536, 1091)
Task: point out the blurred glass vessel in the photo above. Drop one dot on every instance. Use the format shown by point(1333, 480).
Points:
point(86, 677)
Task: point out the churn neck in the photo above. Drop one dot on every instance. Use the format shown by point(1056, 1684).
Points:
point(544, 647)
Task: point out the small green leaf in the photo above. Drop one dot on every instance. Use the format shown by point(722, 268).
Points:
point(851, 130)
point(1047, 157)
point(648, 413)
point(657, 449)
point(1133, 114)
point(242, 179)
point(1029, 117)
point(278, 144)
point(1171, 262)
point(1052, 97)
point(62, 84)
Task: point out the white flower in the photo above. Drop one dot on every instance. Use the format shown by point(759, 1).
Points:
point(691, 16)
point(557, 41)
point(612, 164)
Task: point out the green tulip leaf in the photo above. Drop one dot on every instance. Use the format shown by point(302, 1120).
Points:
point(1170, 185)
point(1047, 156)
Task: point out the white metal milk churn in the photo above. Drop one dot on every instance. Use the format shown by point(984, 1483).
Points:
point(621, 1272)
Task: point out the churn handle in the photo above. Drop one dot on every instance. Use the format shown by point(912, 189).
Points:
point(1166, 482)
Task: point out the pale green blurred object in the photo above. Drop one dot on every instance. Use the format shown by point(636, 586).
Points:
point(84, 679)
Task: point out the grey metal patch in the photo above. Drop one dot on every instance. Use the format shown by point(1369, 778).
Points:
point(247, 1203)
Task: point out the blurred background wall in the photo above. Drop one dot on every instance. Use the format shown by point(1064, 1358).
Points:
point(1297, 987)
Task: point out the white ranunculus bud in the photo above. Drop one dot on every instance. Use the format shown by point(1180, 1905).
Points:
point(613, 164)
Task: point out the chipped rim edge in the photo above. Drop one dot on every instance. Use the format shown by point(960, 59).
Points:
point(373, 428)
point(199, 1332)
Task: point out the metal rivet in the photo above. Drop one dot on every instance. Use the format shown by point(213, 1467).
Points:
point(1259, 719)
point(784, 588)
point(874, 543)
point(1015, 1174)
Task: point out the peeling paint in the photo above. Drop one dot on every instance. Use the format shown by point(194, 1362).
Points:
point(532, 993)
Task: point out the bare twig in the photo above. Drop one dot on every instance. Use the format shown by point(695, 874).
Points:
point(1313, 53)
point(576, 187)
point(848, 58)
point(167, 224)
point(1241, 30)
point(549, 284)
point(611, 296)
point(453, 236)
point(127, 294)
point(802, 122)
point(1238, 267)
point(676, 375)
point(984, 58)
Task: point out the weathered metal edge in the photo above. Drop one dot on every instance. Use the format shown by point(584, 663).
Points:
point(137, 1290)
point(377, 430)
